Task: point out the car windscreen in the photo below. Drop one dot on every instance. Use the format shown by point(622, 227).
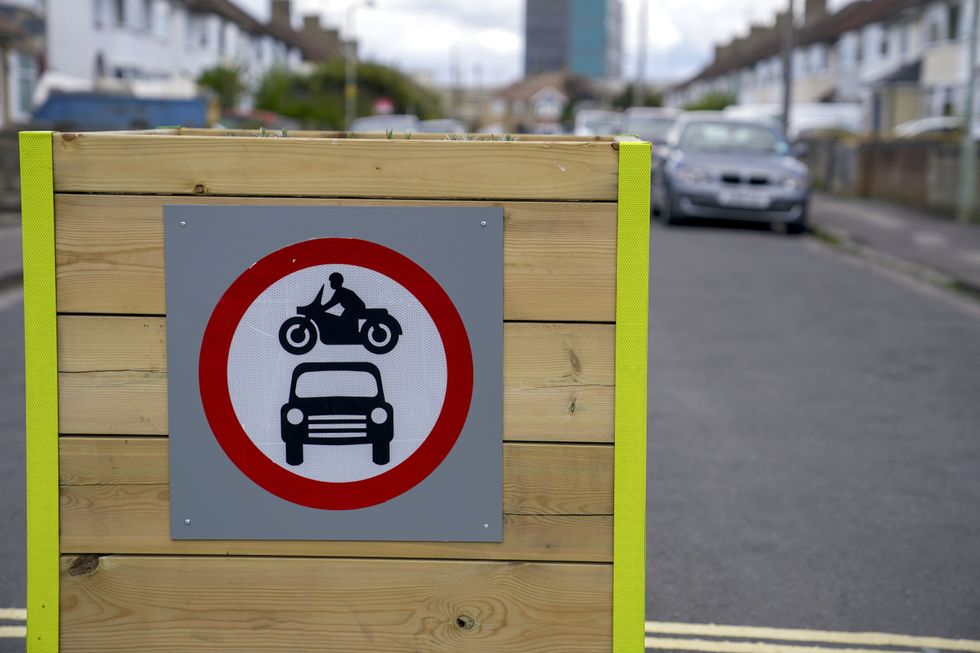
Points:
point(732, 137)
point(336, 383)
point(649, 129)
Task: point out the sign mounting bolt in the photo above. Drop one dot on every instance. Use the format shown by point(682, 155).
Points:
point(187, 522)
point(486, 526)
point(483, 223)
point(183, 223)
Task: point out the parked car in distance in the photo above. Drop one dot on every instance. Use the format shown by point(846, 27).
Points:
point(597, 122)
point(718, 167)
point(394, 122)
point(442, 126)
point(649, 123)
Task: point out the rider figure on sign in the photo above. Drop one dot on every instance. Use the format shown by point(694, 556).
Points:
point(352, 305)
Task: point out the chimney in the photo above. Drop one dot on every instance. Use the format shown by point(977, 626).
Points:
point(814, 9)
point(311, 24)
point(282, 12)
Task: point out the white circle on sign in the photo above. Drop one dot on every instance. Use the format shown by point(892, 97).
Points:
point(412, 374)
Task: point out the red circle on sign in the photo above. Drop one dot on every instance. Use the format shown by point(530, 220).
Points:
point(231, 435)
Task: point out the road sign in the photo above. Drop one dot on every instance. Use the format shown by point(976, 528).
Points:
point(335, 372)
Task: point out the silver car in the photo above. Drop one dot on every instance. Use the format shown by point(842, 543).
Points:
point(718, 167)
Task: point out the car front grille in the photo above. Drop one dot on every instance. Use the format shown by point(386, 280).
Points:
point(325, 426)
point(737, 178)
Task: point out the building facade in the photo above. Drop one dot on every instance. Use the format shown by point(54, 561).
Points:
point(582, 37)
point(898, 59)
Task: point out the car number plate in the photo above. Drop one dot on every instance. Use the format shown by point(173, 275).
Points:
point(744, 199)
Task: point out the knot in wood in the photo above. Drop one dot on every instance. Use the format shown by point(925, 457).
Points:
point(465, 622)
point(199, 189)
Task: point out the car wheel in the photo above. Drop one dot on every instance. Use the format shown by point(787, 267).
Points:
point(668, 213)
point(381, 453)
point(797, 226)
point(294, 453)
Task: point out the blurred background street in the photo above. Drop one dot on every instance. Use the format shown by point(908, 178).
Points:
point(814, 422)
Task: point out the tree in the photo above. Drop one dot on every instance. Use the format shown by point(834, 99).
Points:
point(227, 82)
point(317, 99)
point(712, 102)
point(625, 99)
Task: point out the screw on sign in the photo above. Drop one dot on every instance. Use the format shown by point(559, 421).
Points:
point(389, 404)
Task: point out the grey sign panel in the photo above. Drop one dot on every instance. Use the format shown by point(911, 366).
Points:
point(335, 373)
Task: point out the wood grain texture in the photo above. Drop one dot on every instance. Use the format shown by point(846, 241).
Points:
point(317, 167)
point(559, 258)
point(152, 604)
point(539, 479)
point(558, 378)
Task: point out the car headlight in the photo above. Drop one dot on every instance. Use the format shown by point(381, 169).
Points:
point(379, 415)
point(692, 174)
point(294, 416)
point(795, 183)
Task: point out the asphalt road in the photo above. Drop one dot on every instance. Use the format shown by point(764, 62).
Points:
point(814, 440)
point(12, 528)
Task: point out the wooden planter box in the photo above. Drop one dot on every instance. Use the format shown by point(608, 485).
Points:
point(103, 572)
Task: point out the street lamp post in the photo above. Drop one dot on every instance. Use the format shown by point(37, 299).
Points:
point(350, 86)
point(968, 153)
point(789, 37)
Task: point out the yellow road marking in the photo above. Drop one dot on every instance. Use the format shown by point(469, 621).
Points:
point(714, 646)
point(13, 631)
point(800, 635)
point(13, 614)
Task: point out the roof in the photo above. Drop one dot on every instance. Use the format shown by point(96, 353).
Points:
point(525, 88)
point(825, 28)
point(10, 30)
point(907, 74)
point(312, 48)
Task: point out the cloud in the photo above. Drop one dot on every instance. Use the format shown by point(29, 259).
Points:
point(486, 38)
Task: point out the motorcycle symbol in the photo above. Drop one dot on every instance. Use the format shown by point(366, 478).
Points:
point(376, 329)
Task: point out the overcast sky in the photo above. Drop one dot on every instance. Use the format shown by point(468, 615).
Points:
point(421, 36)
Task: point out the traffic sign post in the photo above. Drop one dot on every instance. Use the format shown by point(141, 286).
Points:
point(329, 393)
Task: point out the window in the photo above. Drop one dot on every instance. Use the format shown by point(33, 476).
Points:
point(119, 7)
point(98, 12)
point(933, 34)
point(148, 15)
point(26, 74)
point(903, 40)
point(953, 22)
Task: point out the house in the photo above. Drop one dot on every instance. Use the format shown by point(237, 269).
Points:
point(21, 49)
point(534, 104)
point(160, 47)
point(900, 59)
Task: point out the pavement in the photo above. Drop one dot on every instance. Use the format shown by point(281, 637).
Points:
point(934, 242)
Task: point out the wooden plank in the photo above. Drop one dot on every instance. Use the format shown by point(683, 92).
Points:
point(316, 167)
point(559, 258)
point(558, 378)
point(149, 604)
point(135, 519)
point(312, 133)
point(539, 479)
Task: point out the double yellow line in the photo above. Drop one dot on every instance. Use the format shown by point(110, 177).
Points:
point(13, 614)
point(751, 639)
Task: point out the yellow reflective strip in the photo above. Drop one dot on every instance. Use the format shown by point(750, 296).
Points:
point(41, 385)
point(632, 270)
point(817, 636)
